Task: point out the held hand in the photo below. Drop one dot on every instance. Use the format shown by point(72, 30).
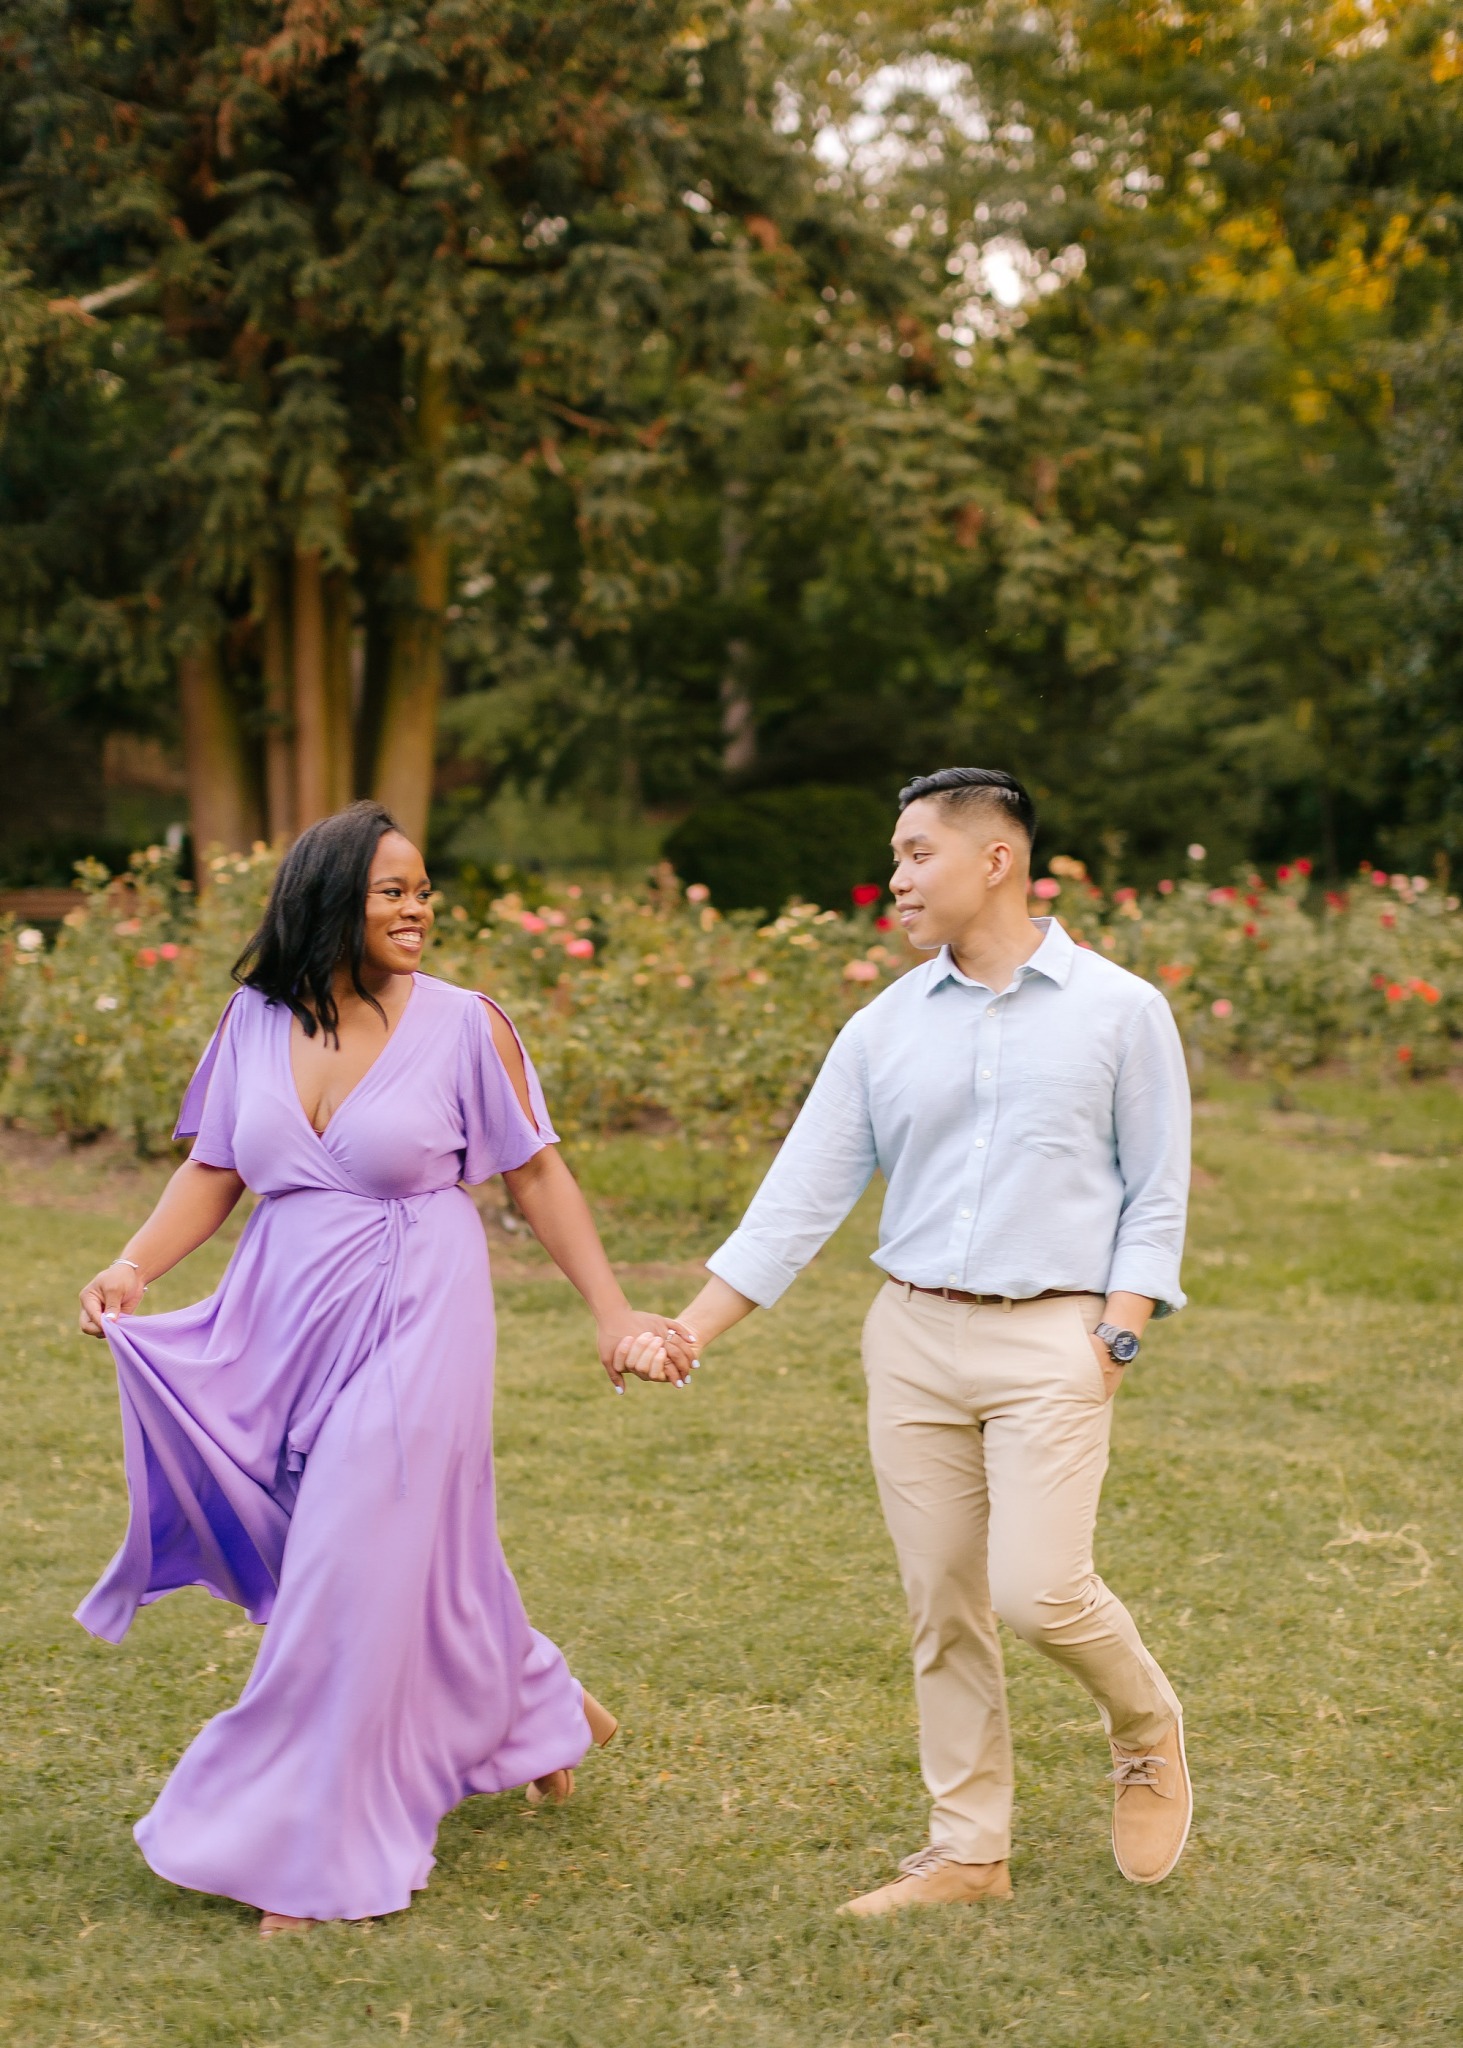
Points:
point(116, 1291)
point(630, 1332)
point(1112, 1372)
point(668, 1355)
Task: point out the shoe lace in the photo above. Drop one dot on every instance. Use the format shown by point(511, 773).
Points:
point(924, 1862)
point(1133, 1768)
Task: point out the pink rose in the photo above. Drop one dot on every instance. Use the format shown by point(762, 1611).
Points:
point(580, 949)
point(861, 970)
point(1046, 889)
point(1222, 1007)
point(531, 923)
point(698, 893)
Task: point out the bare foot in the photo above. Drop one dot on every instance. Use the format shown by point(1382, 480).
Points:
point(602, 1724)
point(557, 1787)
point(271, 1924)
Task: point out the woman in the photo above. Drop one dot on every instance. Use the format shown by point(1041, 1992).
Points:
point(314, 1440)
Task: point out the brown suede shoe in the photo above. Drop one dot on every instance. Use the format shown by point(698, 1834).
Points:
point(1152, 1807)
point(931, 1878)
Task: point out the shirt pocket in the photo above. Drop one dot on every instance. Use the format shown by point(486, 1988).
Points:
point(1062, 1110)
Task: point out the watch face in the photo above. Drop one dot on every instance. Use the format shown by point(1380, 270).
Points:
point(1124, 1347)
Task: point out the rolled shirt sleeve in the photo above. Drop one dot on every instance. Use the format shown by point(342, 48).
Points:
point(1152, 1123)
point(826, 1161)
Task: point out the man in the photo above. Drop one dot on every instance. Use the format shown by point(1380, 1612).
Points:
point(1028, 1105)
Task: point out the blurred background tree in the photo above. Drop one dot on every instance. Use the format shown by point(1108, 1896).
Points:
point(560, 423)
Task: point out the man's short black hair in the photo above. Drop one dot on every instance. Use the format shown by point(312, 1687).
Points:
point(968, 788)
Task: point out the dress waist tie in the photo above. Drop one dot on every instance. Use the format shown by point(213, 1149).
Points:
point(398, 1213)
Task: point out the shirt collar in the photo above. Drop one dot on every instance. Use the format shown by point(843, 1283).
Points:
point(1053, 958)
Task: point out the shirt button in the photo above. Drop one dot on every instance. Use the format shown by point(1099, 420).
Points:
point(979, 1144)
point(991, 1011)
point(965, 1212)
point(985, 1073)
point(952, 1279)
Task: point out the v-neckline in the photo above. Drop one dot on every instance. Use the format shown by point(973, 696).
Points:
point(356, 1086)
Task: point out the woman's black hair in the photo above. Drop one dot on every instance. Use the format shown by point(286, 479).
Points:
point(316, 918)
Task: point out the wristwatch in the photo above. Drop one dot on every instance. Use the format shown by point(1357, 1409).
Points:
point(1122, 1346)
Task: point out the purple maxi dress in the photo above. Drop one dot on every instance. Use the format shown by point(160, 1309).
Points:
point(314, 1441)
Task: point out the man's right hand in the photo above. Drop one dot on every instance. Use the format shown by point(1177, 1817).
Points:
point(115, 1291)
point(669, 1357)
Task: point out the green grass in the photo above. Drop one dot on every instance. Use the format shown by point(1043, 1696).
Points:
point(1282, 1515)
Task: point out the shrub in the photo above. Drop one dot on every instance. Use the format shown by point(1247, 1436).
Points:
point(768, 847)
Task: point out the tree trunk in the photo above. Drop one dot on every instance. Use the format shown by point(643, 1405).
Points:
point(377, 630)
point(407, 748)
point(222, 800)
point(272, 604)
point(738, 716)
point(738, 713)
point(311, 667)
point(339, 745)
point(407, 744)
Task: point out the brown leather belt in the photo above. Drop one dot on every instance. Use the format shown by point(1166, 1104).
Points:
point(997, 1300)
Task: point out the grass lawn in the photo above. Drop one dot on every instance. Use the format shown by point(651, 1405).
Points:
point(1282, 1515)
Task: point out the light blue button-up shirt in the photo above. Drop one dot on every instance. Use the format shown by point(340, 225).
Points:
point(1032, 1138)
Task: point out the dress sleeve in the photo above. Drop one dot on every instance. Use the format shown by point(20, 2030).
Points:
point(498, 1134)
point(209, 1105)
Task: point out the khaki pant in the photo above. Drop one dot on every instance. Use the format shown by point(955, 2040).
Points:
point(989, 1431)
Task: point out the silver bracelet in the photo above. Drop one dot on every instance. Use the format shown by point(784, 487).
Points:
point(135, 1267)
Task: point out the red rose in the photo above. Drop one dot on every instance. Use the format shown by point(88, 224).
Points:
point(866, 892)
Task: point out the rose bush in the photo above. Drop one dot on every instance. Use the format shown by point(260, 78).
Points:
point(1284, 976)
point(640, 1007)
point(651, 1008)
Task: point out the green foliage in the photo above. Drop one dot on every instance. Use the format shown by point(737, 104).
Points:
point(746, 474)
point(1225, 218)
point(769, 846)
